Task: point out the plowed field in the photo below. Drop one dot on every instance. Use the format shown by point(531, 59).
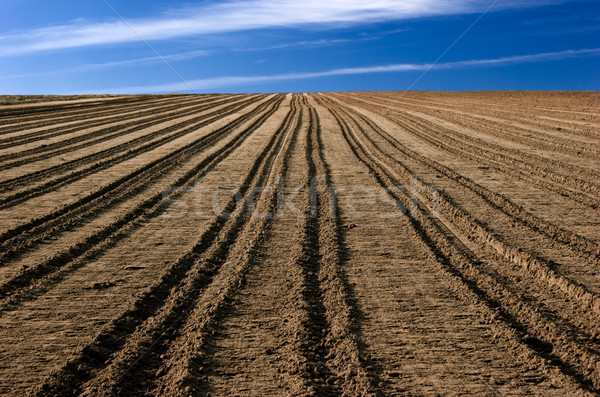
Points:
point(372, 243)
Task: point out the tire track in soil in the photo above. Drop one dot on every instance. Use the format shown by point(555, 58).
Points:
point(159, 281)
point(523, 326)
point(22, 280)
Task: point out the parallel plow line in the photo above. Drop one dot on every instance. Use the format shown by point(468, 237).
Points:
point(181, 108)
point(581, 321)
point(66, 178)
point(82, 119)
point(491, 160)
point(70, 215)
point(37, 111)
point(575, 361)
point(154, 317)
point(483, 109)
point(499, 153)
point(113, 132)
point(579, 245)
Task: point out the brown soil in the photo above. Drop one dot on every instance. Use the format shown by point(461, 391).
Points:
point(426, 244)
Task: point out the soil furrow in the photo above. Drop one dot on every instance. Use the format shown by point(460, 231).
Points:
point(567, 129)
point(54, 116)
point(505, 126)
point(427, 330)
point(343, 339)
point(557, 304)
point(500, 166)
point(579, 244)
point(55, 165)
point(40, 108)
point(317, 244)
point(75, 138)
point(123, 187)
point(200, 234)
point(548, 207)
point(322, 355)
point(564, 170)
point(542, 263)
point(261, 319)
point(11, 183)
point(78, 251)
point(581, 363)
point(66, 178)
point(143, 350)
point(574, 177)
point(51, 127)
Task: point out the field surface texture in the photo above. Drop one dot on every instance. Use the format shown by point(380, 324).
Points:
point(371, 243)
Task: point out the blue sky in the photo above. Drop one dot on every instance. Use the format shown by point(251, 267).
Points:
point(98, 46)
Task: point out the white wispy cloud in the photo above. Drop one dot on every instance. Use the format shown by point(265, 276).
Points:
point(301, 44)
point(545, 56)
point(236, 81)
point(154, 59)
point(112, 64)
point(232, 16)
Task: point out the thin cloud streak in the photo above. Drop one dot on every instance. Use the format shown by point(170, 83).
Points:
point(229, 81)
point(155, 59)
point(235, 16)
point(301, 44)
point(126, 62)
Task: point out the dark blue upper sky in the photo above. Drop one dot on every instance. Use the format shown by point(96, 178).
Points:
point(66, 46)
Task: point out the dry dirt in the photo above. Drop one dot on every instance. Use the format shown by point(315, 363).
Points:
point(372, 243)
